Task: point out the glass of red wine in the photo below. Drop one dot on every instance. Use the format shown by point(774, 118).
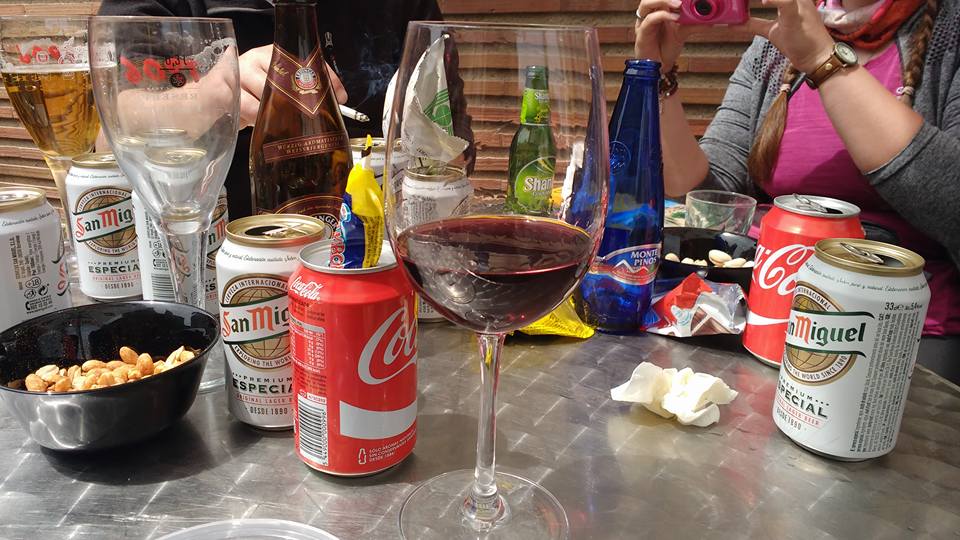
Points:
point(496, 189)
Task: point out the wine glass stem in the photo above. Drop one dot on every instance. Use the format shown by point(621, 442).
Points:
point(187, 253)
point(59, 168)
point(484, 506)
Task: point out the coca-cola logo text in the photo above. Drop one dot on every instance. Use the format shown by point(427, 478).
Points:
point(309, 290)
point(391, 349)
point(777, 269)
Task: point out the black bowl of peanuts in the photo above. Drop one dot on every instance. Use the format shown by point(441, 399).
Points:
point(104, 375)
point(720, 257)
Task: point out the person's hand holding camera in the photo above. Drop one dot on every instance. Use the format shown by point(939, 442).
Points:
point(659, 36)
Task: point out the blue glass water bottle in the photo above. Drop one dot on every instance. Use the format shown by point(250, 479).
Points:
point(615, 294)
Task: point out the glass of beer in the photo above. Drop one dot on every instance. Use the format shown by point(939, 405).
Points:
point(518, 238)
point(168, 93)
point(43, 61)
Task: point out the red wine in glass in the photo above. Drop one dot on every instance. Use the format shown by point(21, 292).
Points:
point(495, 274)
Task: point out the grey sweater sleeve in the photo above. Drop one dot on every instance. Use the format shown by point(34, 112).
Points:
point(922, 182)
point(729, 136)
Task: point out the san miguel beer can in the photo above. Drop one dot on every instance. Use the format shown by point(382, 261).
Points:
point(353, 337)
point(787, 235)
point(33, 270)
point(253, 266)
point(104, 228)
point(430, 196)
point(851, 345)
point(215, 237)
point(156, 282)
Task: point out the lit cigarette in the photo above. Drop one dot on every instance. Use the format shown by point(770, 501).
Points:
point(353, 113)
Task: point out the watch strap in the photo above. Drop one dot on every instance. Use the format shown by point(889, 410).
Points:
point(830, 67)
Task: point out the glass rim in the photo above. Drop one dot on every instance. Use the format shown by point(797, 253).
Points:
point(742, 198)
point(504, 26)
point(26, 17)
point(155, 18)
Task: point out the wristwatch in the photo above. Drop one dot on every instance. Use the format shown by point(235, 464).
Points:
point(843, 56)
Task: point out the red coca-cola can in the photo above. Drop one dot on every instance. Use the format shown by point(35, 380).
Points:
point(787, 235)
point(353, 342)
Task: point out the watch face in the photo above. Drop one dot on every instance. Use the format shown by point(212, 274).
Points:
point(846, 54)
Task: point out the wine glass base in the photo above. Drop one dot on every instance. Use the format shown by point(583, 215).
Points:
point(213, 375)
point(434, 510)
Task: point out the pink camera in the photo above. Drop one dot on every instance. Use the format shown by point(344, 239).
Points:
point(714, 12)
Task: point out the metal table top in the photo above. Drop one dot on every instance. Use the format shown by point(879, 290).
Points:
point(620, 472)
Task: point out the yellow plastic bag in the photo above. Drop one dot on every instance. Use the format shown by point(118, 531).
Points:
point(562, 321)
point(358, 239)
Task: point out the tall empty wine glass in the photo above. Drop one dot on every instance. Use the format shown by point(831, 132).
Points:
point(44, 65)
point(513, 250)
point(168, 94)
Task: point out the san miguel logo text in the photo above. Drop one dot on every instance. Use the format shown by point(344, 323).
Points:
point(297, 80)
point(255, 320)
point(822, 340)
point(104, 221)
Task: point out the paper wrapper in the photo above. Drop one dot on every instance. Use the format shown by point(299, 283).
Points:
point(698, 308)
point(692, 398)
point(427, 130)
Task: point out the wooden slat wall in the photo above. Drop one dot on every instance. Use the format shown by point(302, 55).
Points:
point(704, 66)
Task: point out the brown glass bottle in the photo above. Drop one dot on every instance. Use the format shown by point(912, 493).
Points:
point(299, 151)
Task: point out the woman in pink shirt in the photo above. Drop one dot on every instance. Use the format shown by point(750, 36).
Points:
point(853, 99)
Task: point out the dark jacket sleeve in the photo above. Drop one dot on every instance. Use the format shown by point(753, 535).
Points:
point(155, 8)
point(426, 10)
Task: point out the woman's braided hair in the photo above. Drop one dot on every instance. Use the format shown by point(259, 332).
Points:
point(766, 142)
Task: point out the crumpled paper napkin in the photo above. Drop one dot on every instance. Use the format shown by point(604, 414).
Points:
point(692, 398)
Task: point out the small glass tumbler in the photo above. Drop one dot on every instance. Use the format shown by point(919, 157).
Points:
point(720, 210)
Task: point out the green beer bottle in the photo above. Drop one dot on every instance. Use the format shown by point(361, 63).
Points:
point(533, 154)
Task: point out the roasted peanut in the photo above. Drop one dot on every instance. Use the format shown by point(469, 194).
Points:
point(48, 372)
point(174, 356)
point(94, 374)
point(128, 355)
point(63, 385)
point(145, 364)
point(748, 264)
point(92, 364)
point(700, 262)
point(718, 257)
point(687, 260)
point(672, 257)
point(735, 263)
point(114, 364)
point(120, 374)
point(86, 383)
point(35, 383)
